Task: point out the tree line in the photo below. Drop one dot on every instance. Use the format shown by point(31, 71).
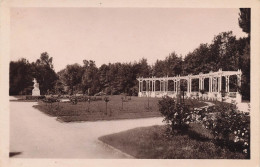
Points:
point(225, 52)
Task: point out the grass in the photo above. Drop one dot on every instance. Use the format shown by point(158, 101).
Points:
point(83, 111)
point(153, 143)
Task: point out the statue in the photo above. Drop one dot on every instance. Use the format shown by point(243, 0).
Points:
point(36, 90)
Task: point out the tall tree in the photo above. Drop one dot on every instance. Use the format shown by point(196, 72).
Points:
point(20, 77)
point(72, 77)
point(244, 20)
point(44, 73)
point(90, 80)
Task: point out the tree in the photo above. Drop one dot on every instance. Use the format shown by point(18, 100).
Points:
point(244, 19)
point(43, 72)
point(20, 77)
point(45, 60)
point(171, 66)
point(90, 80)
point(72, 77)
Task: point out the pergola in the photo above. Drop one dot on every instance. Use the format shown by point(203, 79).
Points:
point(214, 88)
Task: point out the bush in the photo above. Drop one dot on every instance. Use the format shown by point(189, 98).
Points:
point(50, 100)
point(229, 126)
point(30, 97)
point(176, 114)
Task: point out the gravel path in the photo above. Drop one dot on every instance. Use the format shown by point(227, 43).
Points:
point(36, 135)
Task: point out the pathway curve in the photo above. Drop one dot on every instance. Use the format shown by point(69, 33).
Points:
point(36, 135)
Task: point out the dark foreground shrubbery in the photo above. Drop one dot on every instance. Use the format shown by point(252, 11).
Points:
point(230, 127)
point(178, 115)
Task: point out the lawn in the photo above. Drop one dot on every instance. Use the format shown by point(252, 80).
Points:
point(153, 143)
point(134, 107)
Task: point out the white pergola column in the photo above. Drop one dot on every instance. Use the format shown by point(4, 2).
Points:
point(190, 85)
point(139, 86)
point(163, 85)
point(152, 85)
point(227, 83)
point(142, 85)
point(214, 84)
point(239, 80)
point(220, 84)
point(202, 83)
point(146, 85)
point(210, 84)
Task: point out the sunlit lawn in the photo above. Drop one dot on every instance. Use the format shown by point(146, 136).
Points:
point(153, 143)
point(135, 107)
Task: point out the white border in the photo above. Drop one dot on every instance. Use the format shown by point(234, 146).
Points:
point(4, 80)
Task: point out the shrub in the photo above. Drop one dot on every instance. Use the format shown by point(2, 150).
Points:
point(30, 97)
point(178, 115)
point(74, 99)
point(50, 100)
point(230, 126)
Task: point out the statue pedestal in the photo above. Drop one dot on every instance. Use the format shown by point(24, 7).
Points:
point(36, 90)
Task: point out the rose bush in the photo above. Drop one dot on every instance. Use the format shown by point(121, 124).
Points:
point(178, 115)
point(225, 121)
point(228, 124)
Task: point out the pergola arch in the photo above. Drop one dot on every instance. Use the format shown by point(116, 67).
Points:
point(213, 82)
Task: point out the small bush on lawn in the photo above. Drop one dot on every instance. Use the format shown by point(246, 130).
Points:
point(76, 99)
point(50, 100)
point(176, 114)
point(30, 97)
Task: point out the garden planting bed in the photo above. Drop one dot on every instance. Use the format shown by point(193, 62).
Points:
point(130, 108)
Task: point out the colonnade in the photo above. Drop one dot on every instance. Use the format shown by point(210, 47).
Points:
point(214, 80)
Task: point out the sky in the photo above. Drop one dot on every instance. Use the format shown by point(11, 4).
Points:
point(109, 35)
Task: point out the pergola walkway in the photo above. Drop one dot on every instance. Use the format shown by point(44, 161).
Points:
point(148, 86)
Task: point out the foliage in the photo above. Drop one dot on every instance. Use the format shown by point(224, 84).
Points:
point(22, 73)
point(176, 114)
point(229, 125)
point(29, 97)
point(72, 77)
point(244, 19)
point(20, 77)
point(43, 71)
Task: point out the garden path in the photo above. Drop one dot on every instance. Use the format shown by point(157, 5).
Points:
point(36, 135)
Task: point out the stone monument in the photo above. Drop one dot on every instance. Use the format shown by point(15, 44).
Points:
point(36, 90)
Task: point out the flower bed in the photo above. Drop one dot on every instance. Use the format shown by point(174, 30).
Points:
point(229, 126)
